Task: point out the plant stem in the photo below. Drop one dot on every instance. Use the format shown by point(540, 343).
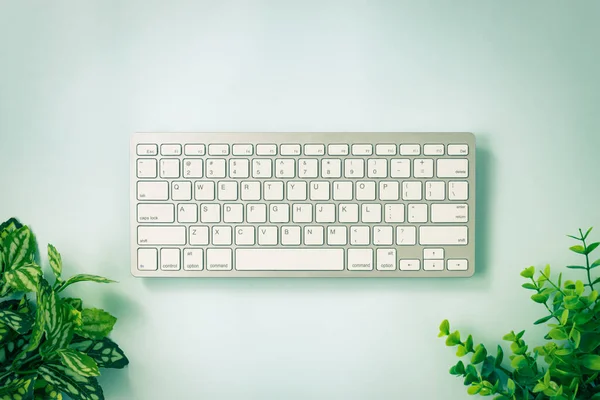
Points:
point(27, 372)
point(587, 263)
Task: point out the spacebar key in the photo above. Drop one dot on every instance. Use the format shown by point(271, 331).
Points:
point(289, 259)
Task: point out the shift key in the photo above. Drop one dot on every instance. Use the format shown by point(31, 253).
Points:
point(161, 235)
point(443, 235)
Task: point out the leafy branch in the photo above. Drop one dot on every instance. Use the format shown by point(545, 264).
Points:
point(49, 344)
point(567, 366)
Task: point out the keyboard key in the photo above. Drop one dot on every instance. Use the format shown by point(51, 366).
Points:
point(435, 190)
point(412, 190)
point(319, 190)
point(423, 168)
point(256, 213)
point(394, 213)
point(169, 168)
point(244, 235)
point(146, 149)
point(221, 235)
point(273, 190)
point(331, 168)
point(400, 168)
point(452, 168)
point(458, 190)
point(313, 235)
point(362, 149)
point(383, 235)
point(242, 150)
point(215, 168)
point(161, 235)
point(360, 259)
point(389, 190)
point(385, 149)
point(146, 168)
point(210, 212)
point(343, 190)
point(417, 213)
point(239, 168)
point(365, 190)
point(433, 149)
point(187, 213)
point(324, 212)
point(193, 260)
point(218, 149)
point(219, 260)
point(308, 168)
point(449, 213)
point(433, 254)
point(147, 259)
point(266, 149)
point(302, 212)
point(290, 235)
point(458, 149)
point(337, 235)
point(443, 235)
point(410, 149)
point(181, 190)
point(267, 236)
point(354, 168)
point(371, 212)
point(285, 168)
point(337, 149)
point(262, 168)
point(410, 265)
point(290, 150)
point(386, 259)
point(314, 149)
point(204, 190)
point(170, 259)
point(153, 190)
point(155, 213)
point(377, 168)
point(283, 259)
point(360, 235)
point(233, 213)
point(348, 212)
point(457, 265)
point(227, 190)
point(170, 149)
point(279, 213)
point(192, 168)
point(250, 190)
point(194, 150)
point(198, 235)
point(406, 235)
point(297, 190)
point(433, 265)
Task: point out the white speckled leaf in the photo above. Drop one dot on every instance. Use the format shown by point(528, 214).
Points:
point(105, 352)
point(55, 260)
point(79, 362)
point(68, 381)
point(24, 278)
point(19, 247)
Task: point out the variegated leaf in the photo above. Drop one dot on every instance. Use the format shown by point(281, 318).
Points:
point(79, 362)
point(37, 332)
point(24, 278)
point(6, 333)
point(45, 391)
point(84, 278)
point(96, 323)
point(17, 321)
point(74, 302)
point(5, 289)
point(16, 387)
point(9, 226)
point(55, 260)
point(9, 350)
point(19, 248)
point(105, 352)
point(70, 382)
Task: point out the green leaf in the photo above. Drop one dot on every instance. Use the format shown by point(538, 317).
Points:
point(488, 367)
point(576, 336)
point(76, 303)
point(108, 354)
point(474, 389)
point(587, 233)
point(591, 361)
point(509, 337)
point(577, 249)
point(10, 349)
point(453, 339)
point(564, 317)
point(24, 277)
point(19, 248)
point(539, 298)
point(444, 328)
point(518, 362)
point(17, 321)
point(469, 343)
point(461, 351)
point(499, 357)
point(15, 387)
point(70, 382)
point(558, 334)
point(547, 271)
point(542, 320)
point(591, 247)
point(55, 260)
point(595, 264)
point(539, 387)
point(589, 342)
point(510, 385)
point(84, 278)
point(576, 267)
point(579, 288)
point(79, 362)
point(59, 326)
point(529, 286)
point(582, 317)
point(528, 272)
point(96, 323)
point(8, 227)
point(480, 354)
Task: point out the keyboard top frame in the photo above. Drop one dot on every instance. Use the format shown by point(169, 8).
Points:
point(421, 138)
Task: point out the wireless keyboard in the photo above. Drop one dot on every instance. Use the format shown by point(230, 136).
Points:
point(302, 204)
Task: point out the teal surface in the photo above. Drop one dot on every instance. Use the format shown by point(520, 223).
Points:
point(78, 77)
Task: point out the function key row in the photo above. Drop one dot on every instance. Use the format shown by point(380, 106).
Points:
point(290, 149)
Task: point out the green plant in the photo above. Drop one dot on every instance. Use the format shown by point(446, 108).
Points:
point(49, 344)
point(567, 367)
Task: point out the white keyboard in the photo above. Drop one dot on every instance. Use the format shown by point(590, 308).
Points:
point(302, 204)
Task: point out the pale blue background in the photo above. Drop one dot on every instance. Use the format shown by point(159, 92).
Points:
point(78, 77)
